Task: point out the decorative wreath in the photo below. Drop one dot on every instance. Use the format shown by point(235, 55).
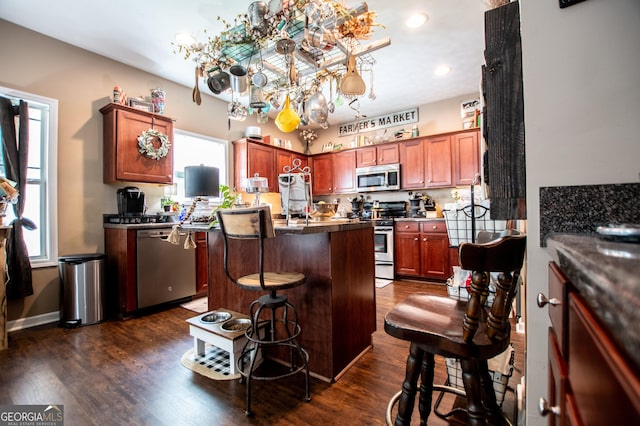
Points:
point(148, 149)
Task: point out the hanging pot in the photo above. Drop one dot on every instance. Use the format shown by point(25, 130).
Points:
point(287, 120)
point(256, 98)
point(352, 83)
point(257, 13)
point(317, 108)
point(239, 79)
point(219, 82)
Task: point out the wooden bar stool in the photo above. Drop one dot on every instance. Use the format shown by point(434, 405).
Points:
point(467, 331)
point(272, 308)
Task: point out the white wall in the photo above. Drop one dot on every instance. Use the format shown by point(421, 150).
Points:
point(581, 72)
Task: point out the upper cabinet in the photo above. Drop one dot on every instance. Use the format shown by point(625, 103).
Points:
point(437, 150)
point(334, 173)
point(440, 161)
point(412, 164)
point(375, 155)
point(466, 157)
point(251, 158)
point(265, 160)
point(122, 159)
point(426, 163)
point(437, 161)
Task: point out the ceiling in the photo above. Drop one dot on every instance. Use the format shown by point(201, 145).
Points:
point(140, 33)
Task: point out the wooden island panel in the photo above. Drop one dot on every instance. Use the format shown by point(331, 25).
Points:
point(336, 305)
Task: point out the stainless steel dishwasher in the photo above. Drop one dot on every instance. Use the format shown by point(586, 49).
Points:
point(166, 272)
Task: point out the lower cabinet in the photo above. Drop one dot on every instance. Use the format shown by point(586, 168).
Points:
point(590, 381)
point(202, 264)
point(422, 249)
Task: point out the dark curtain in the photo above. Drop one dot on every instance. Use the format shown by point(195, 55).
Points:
point(15, 151)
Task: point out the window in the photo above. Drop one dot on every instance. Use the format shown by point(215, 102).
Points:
point(41, 191)
point(191, 149)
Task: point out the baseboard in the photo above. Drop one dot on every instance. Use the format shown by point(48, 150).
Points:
point(34, 321)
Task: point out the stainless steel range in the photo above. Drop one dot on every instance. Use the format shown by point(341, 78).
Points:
point(382, 214)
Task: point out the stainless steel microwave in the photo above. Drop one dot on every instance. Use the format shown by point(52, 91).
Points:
point(385, 177)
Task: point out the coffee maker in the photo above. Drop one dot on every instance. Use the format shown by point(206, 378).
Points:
point(130, 201)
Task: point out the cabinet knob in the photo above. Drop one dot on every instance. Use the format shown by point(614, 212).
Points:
point(435, 227)
point(424, 239)
point(542, 300)
point(416, 239)
point(406, 227)
point(544, 409)
point(430, 180)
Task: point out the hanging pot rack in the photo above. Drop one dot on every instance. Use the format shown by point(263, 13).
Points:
point(313, 66)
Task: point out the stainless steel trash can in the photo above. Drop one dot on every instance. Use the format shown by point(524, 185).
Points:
point(82, 289)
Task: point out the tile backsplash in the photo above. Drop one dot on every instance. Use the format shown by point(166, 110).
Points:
point(581, 209)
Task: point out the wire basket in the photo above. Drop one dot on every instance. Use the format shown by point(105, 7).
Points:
point(500, 381)
point(463, 224)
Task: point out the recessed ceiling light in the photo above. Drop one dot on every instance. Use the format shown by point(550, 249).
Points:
point(416, 20)
point(442, 70)
point(185, 39)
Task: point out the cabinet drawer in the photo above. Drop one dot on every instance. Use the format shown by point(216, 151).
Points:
point(407, 227)
point(434, 226)
point(558, 288)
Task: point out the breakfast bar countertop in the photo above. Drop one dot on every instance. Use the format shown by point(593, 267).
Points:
point(607, 276)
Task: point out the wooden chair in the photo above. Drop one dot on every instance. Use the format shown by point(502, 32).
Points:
point(467, 331)
point(272, 308)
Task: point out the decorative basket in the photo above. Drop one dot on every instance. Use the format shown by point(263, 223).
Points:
point(500, 381)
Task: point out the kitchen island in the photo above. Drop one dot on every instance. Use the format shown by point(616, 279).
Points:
point(336, 305)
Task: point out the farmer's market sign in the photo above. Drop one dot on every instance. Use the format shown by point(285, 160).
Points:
point(394, 119)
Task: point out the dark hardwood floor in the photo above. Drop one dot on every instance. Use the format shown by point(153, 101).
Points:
point(129, 373)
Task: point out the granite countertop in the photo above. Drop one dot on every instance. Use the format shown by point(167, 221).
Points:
point(607, 276)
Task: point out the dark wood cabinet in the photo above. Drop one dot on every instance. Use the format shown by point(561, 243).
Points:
point(466, 157)
point(438, 161)
point(590, 381)
point(285, 158)
point(422, 249)
point(202, 264)
point(334, 173)
point(407, 249)
point(322, 172)
point(344, 172)
point(375, 155)
point(251, 158)
point(412, 164)
point(122, 126)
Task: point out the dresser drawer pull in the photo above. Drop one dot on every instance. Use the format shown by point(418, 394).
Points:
point(542, 300)
point(544, 409)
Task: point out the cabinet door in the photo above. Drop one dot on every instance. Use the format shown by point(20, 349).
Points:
point(131, 165)
point(322, 169)
point(202, 264)
point(438, 161)
point(557, 381)
point(466, 157)
point(412, 160)
point(286, 159)
point(407, 253)
point(283, 159)
point(435, 256)
point(344, 173)
point(366, 157)
point(261, 160)
point(388, 153)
